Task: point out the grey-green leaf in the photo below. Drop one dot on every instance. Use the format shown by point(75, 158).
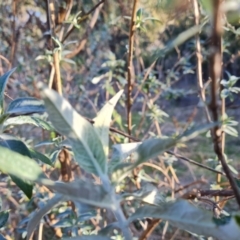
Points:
point(14, 144)
point(36, 218)
point(19, 166)
point(20, 120)
point(85, 142)
point(187, 216)
point(155, 146)
point(18, 146)
point(103, 120)
point(3, 83)
point(24, 185)
point(39, 156)
point(25, 105)
point(84, 192)
point(120, 152)
point(180, 39)
point(3, 218)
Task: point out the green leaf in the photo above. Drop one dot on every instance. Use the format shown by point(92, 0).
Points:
point(25, 105)
point(19, 166)
point(86, 145)
point(37, 216)
point(153, 147)
point(14, 144)
point(225, 93)
point(180, 39)
point(187, 216)
point(20, 120)
point(41, 157)
point(230, 130)
point(233, 169)
point(84, 192)
point(24, 185)
point(3, 83)
point(18, 146)
point(120, 152)
point(97, 79)
point(103, 120)
point(3, 218)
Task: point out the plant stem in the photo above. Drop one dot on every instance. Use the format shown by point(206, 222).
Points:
point(130, 66)
point(199, 60)
point(215, 62)
point(154, 223)
point(122, 220)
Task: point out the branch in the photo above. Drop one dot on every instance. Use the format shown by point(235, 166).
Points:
point(215, 62)
point(154, 223)
point(130, 66)
point(207, 193)
point(199, 60)
point(169, 152)
point(82, 19)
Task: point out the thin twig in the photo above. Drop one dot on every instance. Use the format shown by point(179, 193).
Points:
point(83, 41)
point(215, 62)
point(40, 231)
point(189, 185)
point(154, 223)
point(6, 60)
point(63, 15)
point(130, 66)
point(82, 19)
point(169, 152)
point(207, 193)
point(144, 79)
point(194, 162)
point(199, 60)
point(223, 112)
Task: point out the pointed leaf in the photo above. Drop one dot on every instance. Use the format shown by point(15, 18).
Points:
point(103, 120)
point(24, 185)
point(3, 218)
point(121, 152)
point(179, 40)
point(14, 144)
point(153, 147)
point(25, 105)
point(86, 145)
point(17, 146)
point(19, 166)
point(36, 218)
point(82, 191)
point(39, 156)
point(185, 215)
point(20, 120)
point(230, 130)
point(3, 83)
